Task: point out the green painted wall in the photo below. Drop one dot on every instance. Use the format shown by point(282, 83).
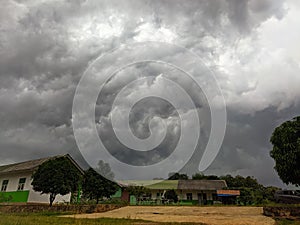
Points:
point(188, 202)
point(195, 202)
point(14, 196)
point(132, 200)
point(118, 194)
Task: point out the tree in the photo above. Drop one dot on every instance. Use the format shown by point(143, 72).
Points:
point(198, 176)
point(95, 186)
point(229, 180)
point(105, 170)
point(240, 181)
point(56, 176)
point(178, 176)
point(138, 191)
point(201, 176)
point(171, 194)
point(286, 151)
point(251, 192)
point(269, 192)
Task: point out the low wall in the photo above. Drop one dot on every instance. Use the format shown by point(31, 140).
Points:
point(292, 212)
point(28, 208)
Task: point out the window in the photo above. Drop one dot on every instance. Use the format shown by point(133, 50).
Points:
point(4, 185)
point(21, 184)
point(189, 196)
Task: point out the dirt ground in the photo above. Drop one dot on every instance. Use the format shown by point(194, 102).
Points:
point(207, 215)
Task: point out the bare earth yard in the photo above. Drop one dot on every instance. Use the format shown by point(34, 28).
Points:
point(207, 215)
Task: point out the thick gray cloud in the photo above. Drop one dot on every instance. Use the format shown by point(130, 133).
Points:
point(250, 45)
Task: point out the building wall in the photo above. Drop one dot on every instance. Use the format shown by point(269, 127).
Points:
point(183, 194)
point(36, 197)
point(209, 194)
point(27, 194)
point(13, 181)
point(154, 193)
point(125, 196)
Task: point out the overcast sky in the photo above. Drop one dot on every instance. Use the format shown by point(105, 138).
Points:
point(252, 47)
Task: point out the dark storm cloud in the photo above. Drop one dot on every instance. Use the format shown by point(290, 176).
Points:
point(247, 145)
point(46, 46)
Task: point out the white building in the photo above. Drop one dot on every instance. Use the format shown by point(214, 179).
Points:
point(15, 181)
point(189, 192)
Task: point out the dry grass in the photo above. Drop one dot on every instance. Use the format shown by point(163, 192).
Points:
point(207, 215)
point(53, 219)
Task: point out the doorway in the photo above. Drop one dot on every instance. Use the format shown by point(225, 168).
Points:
point(202, 198)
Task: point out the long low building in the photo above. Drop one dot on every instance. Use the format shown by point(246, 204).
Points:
point(189, 192)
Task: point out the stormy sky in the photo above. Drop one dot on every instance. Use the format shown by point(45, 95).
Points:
point(251, 46)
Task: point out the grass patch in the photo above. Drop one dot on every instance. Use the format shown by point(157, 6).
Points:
point(51, 218)
point(287, 222)
point(273, 204)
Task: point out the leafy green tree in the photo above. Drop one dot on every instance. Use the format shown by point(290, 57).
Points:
point(138, 191)
point(268, 193)
point(105, 170)
point(56, 176)
point(212, 177)
point(171, 194)
point(230, 181)
point(95, 186)
point(247, 196)
point(178, 176)
point(199, 176)
point(251, 182)
point(251, 192)
point(286, 151)
point(240, 181)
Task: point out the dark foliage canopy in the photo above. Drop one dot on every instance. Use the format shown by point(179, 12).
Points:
point(286, 151)
point(171, 194)
point(201, 176)
point(178, 176)
point(56, 176)
point(138, 191)
point(96, 187)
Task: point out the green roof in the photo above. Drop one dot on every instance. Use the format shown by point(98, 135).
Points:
point(164, 185)
point(152, 184)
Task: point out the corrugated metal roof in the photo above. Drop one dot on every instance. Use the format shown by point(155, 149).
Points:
point(23, 166)
point(31, 165)
point(201, 184)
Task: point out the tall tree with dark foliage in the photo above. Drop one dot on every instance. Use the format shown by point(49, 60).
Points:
point(286, 151)
point(56, 176)
point(96, 187)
